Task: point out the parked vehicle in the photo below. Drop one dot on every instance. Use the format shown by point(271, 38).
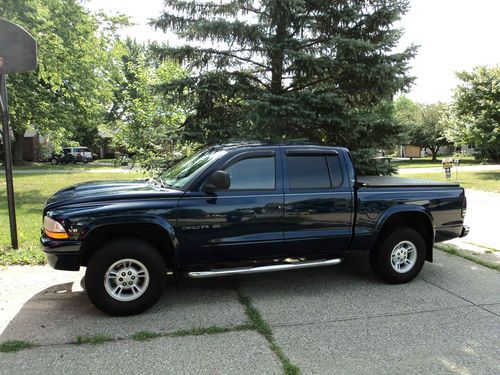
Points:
point(82, 154)
point(244, 208)
point(62, 158)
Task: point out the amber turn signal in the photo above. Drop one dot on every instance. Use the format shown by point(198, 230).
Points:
point(55, 235)
point(54, 229)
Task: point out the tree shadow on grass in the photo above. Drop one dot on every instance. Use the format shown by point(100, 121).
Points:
point(490, 176)
point(24, 198)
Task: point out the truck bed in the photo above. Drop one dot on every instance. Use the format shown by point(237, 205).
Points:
point(393, 181)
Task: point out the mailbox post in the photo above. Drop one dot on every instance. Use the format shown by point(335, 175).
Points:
point(447, 165)
point(17, 55)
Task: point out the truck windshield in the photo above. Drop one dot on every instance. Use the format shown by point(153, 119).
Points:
point(184, 172)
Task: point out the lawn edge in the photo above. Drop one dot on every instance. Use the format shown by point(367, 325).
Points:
point(455, 250)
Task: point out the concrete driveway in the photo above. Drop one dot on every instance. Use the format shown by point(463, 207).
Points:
point(340, 320)
point(481, 208)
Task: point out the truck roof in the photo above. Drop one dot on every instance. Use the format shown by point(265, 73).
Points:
point(293, 144)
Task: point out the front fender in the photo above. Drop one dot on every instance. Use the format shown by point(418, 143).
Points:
point(115, 220)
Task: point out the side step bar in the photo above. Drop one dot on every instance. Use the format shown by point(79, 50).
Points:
point(261, 269)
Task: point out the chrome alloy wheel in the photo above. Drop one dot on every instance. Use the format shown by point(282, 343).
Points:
point(403, 256)
point(126, 280)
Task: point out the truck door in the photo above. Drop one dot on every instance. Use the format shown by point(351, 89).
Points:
point(318, 203)
point(242, 223)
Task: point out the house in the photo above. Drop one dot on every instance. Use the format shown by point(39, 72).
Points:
point(104, 147)
point(410, 151)
point(31, 145)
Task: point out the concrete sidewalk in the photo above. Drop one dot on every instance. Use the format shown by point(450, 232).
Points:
point(328, 320)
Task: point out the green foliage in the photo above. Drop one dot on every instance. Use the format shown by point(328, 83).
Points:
point(93, 340)
point(142, 121)
point(145, 336)
point(424, 125)
point(70, 90)
point(262, 327)
point(477, 111)
point(276, 70)
point(212, 330)
point(14, 346)
point(30, 255)
point(366, 164)
point(469, 255)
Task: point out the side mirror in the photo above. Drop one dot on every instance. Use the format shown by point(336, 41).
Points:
point(219, 180)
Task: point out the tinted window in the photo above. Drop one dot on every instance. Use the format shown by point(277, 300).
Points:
point(253, 174)
point(308, 172)
point(335, 170)
point(188, 169)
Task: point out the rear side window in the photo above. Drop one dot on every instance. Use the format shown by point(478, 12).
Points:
point(256, 173)
point(308, 172)
point(335, 170)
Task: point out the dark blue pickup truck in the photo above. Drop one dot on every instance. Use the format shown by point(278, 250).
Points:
point(244, 208)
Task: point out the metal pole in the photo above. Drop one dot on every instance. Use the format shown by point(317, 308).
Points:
point(8, 161)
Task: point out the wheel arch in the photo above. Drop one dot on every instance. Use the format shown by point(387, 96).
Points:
point(413, 217)
point(158, 233)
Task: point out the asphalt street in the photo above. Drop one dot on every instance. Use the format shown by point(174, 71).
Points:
point(336, 320)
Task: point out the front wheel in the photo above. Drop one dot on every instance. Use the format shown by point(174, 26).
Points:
point(53, 161)
point(125, 277)
point(400, 257)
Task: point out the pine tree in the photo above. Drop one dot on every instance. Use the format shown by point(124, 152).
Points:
point(280, 69)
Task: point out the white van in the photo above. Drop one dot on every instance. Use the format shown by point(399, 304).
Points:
point(80, 153)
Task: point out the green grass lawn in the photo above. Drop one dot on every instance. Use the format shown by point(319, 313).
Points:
point(480, 180)
point(428, 163)
point(31, 191)
point(71, 166)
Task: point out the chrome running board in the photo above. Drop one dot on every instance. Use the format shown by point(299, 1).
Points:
point(261, 269)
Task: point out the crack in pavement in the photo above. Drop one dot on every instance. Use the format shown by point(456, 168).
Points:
point(457, 295)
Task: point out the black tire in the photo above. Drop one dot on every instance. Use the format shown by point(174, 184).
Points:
point(142, 253)
point(380, 258)
point(53, 161)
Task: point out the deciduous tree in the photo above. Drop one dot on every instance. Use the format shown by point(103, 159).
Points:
point(69, 92)
point(477, 111)
point(424, 125)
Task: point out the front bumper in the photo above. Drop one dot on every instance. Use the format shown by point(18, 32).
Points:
point(465, 231)
point(62, 255)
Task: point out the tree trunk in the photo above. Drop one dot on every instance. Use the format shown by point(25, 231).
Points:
point(277, 60)
point(434, 151)
point(18, 147)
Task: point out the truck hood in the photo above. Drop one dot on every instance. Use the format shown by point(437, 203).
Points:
point(109, 191)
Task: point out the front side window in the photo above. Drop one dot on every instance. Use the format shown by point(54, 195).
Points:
point(308, 172)
point(257, 173)
point(186, 171)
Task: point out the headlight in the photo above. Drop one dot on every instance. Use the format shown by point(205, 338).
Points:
point(53, 229)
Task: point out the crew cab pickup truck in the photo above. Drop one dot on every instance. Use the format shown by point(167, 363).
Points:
point(244, 208)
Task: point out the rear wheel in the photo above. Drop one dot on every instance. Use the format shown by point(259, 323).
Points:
point(125, 277)
point(400, 257)
point(53, 161)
